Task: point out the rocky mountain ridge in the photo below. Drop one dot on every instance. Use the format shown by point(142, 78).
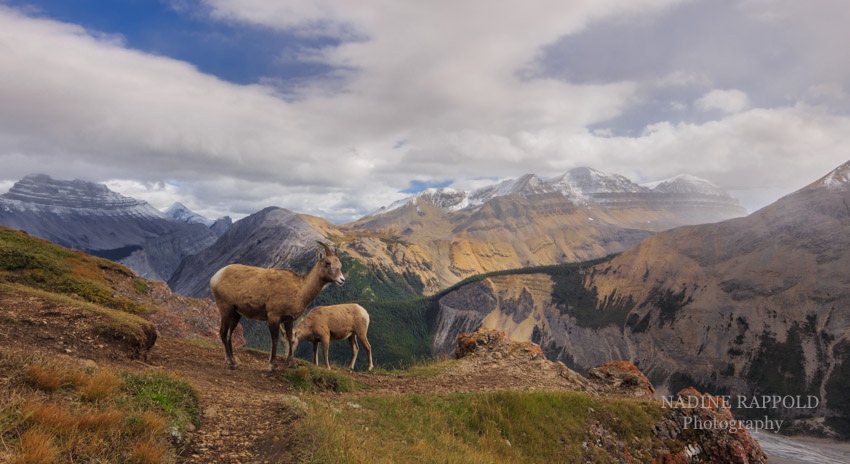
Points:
point(92, 218)
point(273, 237)
point(583, 214)
point(583, 185)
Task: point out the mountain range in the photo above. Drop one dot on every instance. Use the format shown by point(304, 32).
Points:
point(441, 236)
point(446, 235)
point(92, 218)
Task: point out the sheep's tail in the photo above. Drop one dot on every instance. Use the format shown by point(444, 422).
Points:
point(364, 313)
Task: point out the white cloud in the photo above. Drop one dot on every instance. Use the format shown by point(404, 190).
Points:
point(458, 84)
point(727, 101)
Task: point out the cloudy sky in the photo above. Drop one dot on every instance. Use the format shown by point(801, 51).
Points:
point(335, 108)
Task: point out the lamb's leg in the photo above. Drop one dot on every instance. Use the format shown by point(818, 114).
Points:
point(316, 352)
point(352, 340)
point(274, 331)
point(326, 344)
point(229, 321)
point(290, 357)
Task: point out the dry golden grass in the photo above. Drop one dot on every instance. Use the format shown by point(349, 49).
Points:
point(148, 452)
point(44, 377)
point(36, 447)
point(56, 412)
point(103, 384)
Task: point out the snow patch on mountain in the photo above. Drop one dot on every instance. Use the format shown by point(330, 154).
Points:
point(179, 212)
point(839, 176)
point(587, 183)
point(580, 185)
point(42, 194)
point(451, 199)
point(686, 184)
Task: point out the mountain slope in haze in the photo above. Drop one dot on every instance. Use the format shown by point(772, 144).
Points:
point(758, 305)
point(180, 213)
point(91, 218)
point(269, 238)
point(583, 214)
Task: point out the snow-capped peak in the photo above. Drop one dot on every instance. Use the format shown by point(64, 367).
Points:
point(447, 198)
point(528, 184)
point(581, 185)
point(838, 176)
point(585, 183)
point(179, 212)
point(686, 184)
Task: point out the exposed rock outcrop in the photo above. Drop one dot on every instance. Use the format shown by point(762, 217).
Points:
point(698, 426)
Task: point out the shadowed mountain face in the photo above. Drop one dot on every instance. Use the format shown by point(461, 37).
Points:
point(751, 306)
point(273, 237)
point(90, 217)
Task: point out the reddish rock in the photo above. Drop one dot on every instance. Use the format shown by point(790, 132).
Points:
point(622, 377)
point(717, 441)
point(486, 340)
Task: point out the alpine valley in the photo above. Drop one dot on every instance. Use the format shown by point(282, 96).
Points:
point(673, 276)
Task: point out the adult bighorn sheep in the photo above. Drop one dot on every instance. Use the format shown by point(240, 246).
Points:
point(278, 296)
point(324, 324)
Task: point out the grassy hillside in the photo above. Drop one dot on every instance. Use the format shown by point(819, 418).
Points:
point(42, 265)
point(60, 409)
point(53, 411)
point(506, 427)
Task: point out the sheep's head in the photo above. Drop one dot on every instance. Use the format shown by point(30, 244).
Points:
point(329, 265)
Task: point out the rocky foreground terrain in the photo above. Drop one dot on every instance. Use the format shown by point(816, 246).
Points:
point(246, 413)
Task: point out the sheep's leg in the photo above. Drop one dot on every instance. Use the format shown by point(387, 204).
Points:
point(352, 340)
point(274, 331)
point(290, 357)
point(229, 321)
point(367, 346)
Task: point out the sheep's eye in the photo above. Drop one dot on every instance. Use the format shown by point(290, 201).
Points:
point(327, 264)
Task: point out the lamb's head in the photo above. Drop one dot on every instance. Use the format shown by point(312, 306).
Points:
point(330, 267)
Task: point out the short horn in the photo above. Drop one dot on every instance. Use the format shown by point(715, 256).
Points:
point(324, 245)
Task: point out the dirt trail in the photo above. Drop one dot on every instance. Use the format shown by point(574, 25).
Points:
point(245, 412)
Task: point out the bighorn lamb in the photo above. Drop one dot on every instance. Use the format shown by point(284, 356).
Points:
point(278, 296)
point(324, 324)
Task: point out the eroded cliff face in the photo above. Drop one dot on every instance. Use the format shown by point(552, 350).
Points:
point(505, 233)
point(523, 307)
